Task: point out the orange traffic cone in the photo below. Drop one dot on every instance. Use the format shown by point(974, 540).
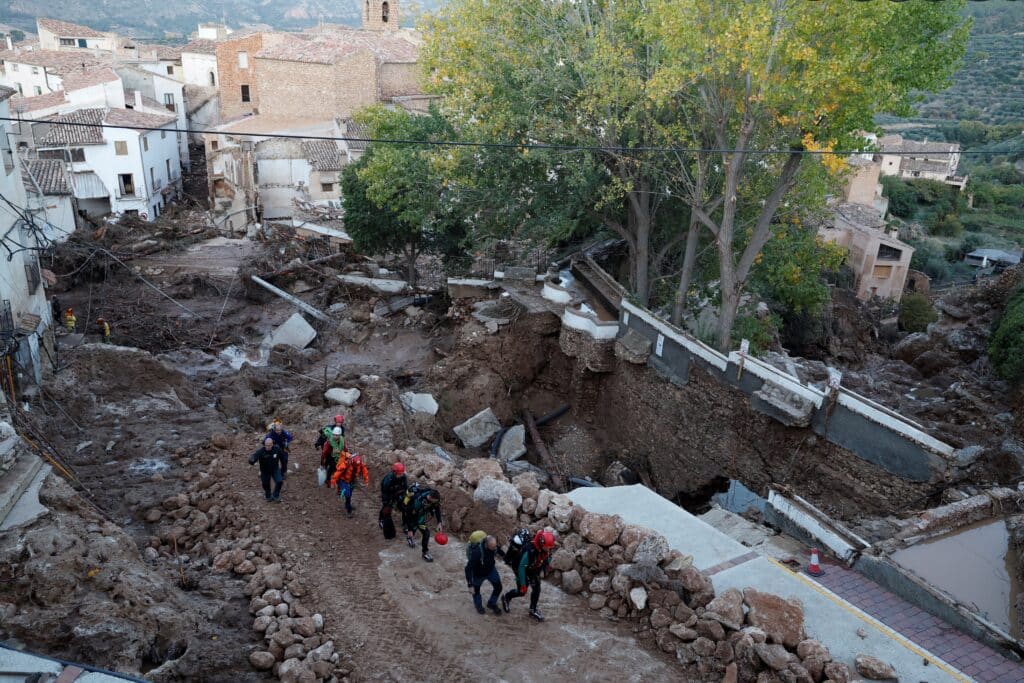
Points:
point(814, 568)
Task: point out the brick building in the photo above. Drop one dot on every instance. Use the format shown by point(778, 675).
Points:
point(236, 70)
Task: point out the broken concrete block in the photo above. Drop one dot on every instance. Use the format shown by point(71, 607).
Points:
point(419, 403)
point(520, 273)
point(783, 405)
point(342, 397)
point(513, 444)
point(294, 332)
point(375, 285)
point(498, 495)
point(633, 347)
point(478, 430)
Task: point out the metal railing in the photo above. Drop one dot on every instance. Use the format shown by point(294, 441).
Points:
point(6, 318)
point(33, 277)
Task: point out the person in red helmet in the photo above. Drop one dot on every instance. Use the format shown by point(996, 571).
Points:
point(534, 555)
point(392, 488)
point(347, 476)
point(328, 431)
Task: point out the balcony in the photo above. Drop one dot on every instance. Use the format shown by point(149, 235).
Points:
point(6, 319)
point(33, 277)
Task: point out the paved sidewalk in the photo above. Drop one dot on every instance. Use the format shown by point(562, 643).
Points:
point(931, 633)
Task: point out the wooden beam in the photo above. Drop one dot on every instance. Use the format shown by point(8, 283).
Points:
point(557, 480)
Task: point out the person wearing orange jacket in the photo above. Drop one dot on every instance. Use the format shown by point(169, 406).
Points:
point(347, 474)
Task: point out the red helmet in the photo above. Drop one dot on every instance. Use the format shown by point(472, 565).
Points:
point(545, 540)
point(398, 468)
point(339, 419)
point(357, 458)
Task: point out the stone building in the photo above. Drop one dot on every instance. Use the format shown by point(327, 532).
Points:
point(879, 260)
point(63, 35)
point(236, 71)
point(909, 159)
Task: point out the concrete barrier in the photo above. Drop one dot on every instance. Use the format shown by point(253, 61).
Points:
point(803, 521)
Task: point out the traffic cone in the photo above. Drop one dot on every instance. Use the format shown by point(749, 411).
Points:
point(814, 568)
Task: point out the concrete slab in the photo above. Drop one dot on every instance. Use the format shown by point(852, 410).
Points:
point(641, 506)
point(835, 622)
point(378, 285)
point(14, 662)
point(828, 617)
point(295, 332)
point(754, 536)
point(28, 509)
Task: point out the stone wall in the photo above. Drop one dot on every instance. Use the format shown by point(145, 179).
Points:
point(232, 78)
point(400, 78)
point(297, 90)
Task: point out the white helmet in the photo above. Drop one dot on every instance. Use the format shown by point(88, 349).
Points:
point(337, 431)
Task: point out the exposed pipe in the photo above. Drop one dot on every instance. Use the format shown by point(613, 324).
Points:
point(551, 417)
point(293, 300)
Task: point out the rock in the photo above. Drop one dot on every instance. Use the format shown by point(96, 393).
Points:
point(815, 666)
point(796, 673)
point(272, 596)
point(342, 397)
point(527, 485)
point(782, 620)
point(774, 656)
point(563, 560)
point(912, 346)
point(154, 515)
point(597, 601)
point(731, 674)
point(838, 672)
point(652, 549)
point(560, 517)
point(874, 669)
point(660, 618)
point(175, 502)
point(245, 567)
point(513, 444)
point(435, 468)
point(318, 622)
point(678, 564)
point(601, 584)
point(572, 583)
point(304, 626)
point(682, 632)
point(151, 554)
point(291, 670)
point(478, 430)
point(498, 495)
point(633, 347)
point(728, 604)
point(324, 652)
point(965, 457)
point(638, 597)
point(725, 654)
point(419, 403)
point(475, 469)
point(601, 529)
point(322, 670)
point(260, 624)
point(262, 660)
point(221, 441)
point(543, 501)
point(529, 506)
point(294, 651)
point(703, 647)
point(710, 629)
point(812, 648)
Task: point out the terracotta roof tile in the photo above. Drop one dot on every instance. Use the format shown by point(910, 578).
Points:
point(133, 118)
point(356, 130)
point(54, 60)
point(65, 134)
point(323, 155)
point(329, 48)
point(48, 174)
point(76, 80)
point(68, 30)
point(201, 46)
point(37, 103)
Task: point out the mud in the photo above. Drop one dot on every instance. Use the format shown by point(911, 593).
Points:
point(974, 565)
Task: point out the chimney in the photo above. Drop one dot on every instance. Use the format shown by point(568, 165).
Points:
point(138, 99)
point(10, 43)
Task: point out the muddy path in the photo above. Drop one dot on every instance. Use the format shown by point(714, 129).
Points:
point(400, 618)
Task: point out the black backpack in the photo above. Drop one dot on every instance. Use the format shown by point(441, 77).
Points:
point(517, 545)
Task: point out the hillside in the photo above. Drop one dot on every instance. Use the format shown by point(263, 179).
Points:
point(155, 18)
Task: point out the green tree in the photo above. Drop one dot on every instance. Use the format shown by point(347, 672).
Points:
point(790, 76)
point(790, 269)
point(902, 197)
point(916, 312)
point(1006, 349)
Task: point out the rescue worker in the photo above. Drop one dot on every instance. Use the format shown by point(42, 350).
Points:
point(104, 329)
point(417, 505)
point(282, 439)
point(269, 458)
point(70, 321)
point(392, 486)
point(328, 431)
point(533, 563)
point(333, 451)
point(480, 567)
point(347, 476)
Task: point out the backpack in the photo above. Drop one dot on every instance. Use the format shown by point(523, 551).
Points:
point(517, 545)
point(407, 497)
point(476, 539)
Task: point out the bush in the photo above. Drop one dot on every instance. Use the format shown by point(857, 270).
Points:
point(1006, 350)
point(948, 225)
point(916, 312)
point(761, 332)
point(902, 197)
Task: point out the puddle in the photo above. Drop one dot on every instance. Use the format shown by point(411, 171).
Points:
point(568, 281)
point(974, 565)
point(237, 357)
point(148, 466)
point(739, 499)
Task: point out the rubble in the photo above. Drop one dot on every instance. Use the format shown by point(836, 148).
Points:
point(419, 403)
point(478, 430)
point(295, 332)
point(342, 397)
point(513, 444)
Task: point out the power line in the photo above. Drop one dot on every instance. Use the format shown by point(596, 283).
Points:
point(496, 145)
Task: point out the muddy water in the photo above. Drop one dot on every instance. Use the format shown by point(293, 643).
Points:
point(973, 564)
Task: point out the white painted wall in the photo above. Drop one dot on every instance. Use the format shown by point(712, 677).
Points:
point(278, 182)
point(51, 41)
point(196, 69)
point(26, 78)
point(158, 86)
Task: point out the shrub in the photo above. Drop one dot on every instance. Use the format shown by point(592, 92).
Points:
point(948, 225)
point(1006, 350)
point(902, 197)
point(761, 332)
point(916, 312)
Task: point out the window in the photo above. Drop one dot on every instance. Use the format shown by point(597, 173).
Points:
point(14, 67)
point(134, 213)
point(67, 42)
point(145, 143)
point(8, 153)
point(152, 178)
point(127, 184)
point(35, 71)
point(882, 272)
point(887, 253)
point(213, 79)
point(169, 101)
point(82, 43)
point(385, 12)
point(17, 86)
point(37, 90)
point(121, 148)
point(168, 163)
point(243, 60)
point(32, 276)
point(170, 70)
point(163, 135)
point(53, 154)
point(327, 187)
point(77, 154)
point(214, 145)
point(245, 94)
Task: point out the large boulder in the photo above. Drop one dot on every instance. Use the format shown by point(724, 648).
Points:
point(774, 656)
point(342, 397)
point(601, 529)
point(513, 444)
point(560, 517)
point(874, 669)
point(782, 620)
point(478, 430)
point(572, 582)
point(651, 549)
point(419, 403)
point(729, 605)
point(476, 469)
point(544, 501)
point(498, 495)
point(527, 485)
point(563, 560)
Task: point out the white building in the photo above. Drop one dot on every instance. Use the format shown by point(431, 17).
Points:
point(121, 170)
point(199, 63)
point(63, 35)
point(25, 321)
point(40, 72)
point(157, 94)
point(909, 159)
point(49, 196)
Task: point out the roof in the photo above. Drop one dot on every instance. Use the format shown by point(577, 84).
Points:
point(323, 155)
point(6, 92)
point(76, 80)
point(356, 130)
point(859, 216)
point(66, 28)
point(201, 46)
point(896, 143)
point(997, 255)
point(37, 103)
point(330, 48)
point(54, 60)
point(924, 165)
point(48, 173)
point(65, 134)
point(133, 118)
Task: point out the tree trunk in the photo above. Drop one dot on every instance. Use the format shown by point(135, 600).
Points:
point(727, 314)
point(410, 265)
point(689, 261)
point(641, 221)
